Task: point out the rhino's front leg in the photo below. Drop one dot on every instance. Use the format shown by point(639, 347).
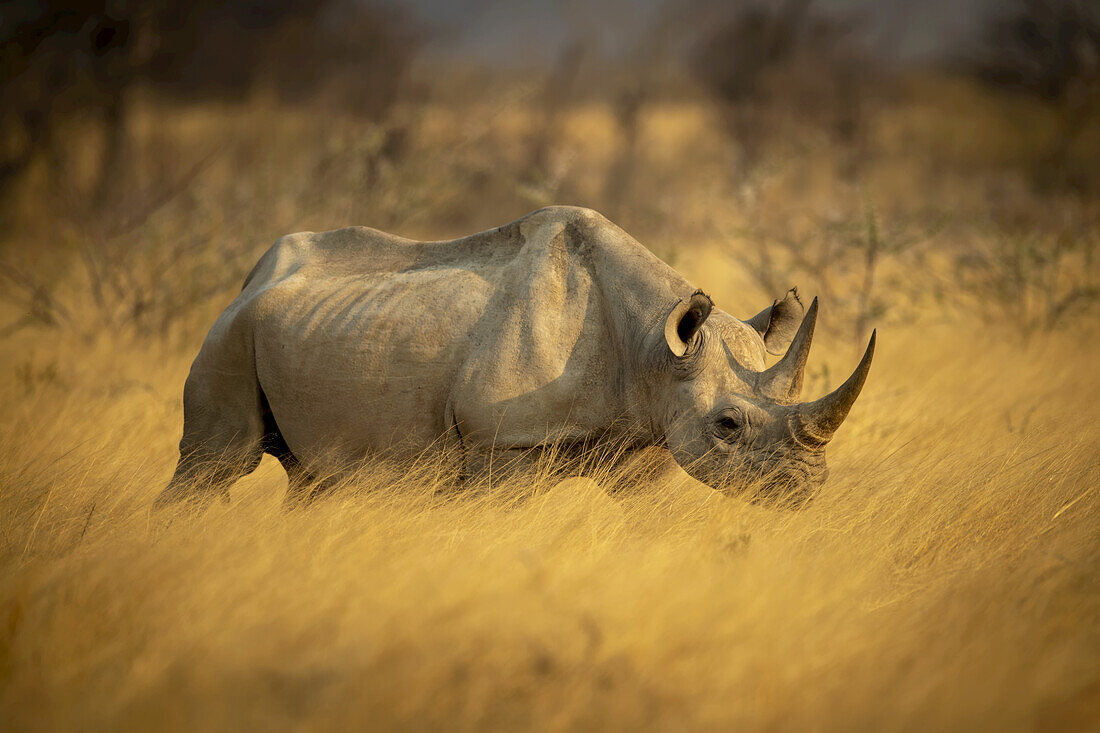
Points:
point(495, 445)
point(486, 465)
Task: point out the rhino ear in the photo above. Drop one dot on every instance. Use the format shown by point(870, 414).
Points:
point(684, 321)
point(778, 323)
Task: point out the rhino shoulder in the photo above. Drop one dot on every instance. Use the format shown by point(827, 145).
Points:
point(280, 260)
point(570, 214)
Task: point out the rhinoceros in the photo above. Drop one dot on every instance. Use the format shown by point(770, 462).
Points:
point(556, 329)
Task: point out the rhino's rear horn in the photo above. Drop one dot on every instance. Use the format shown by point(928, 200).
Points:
point(684, 321)
point(782, 382)
point(818, 420)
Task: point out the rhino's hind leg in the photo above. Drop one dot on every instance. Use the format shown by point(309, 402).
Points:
point(299, 484)
point(204, 473)
point(301, 487)
point(222, 436)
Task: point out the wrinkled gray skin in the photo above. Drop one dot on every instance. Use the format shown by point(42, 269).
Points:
point(558, 327)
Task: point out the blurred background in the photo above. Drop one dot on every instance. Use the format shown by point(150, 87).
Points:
point(909, 162)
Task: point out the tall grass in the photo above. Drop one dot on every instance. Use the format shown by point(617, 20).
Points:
point(945, 577)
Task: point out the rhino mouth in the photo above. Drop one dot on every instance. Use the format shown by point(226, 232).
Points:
point(787, 492)
point(766, 478)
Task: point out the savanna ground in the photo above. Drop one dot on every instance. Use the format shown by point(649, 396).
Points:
point(945, 577)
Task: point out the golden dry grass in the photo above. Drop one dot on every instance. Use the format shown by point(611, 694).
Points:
point(946, 576)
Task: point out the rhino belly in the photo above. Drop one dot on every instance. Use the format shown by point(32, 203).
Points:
point(364, 365)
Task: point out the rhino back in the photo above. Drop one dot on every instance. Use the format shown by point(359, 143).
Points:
point(362, 251)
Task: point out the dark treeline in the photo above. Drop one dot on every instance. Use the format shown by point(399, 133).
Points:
point(758, 61)
point(85, 59)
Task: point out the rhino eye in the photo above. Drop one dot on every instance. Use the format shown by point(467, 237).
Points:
point(729, 425)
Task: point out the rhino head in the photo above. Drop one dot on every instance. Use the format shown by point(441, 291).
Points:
point(732, 423)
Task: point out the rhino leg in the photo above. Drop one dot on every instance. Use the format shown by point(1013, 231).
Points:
point(298, 479)
point(301, 486)
point(490, 465)
point(210, 462)
point(223, 428)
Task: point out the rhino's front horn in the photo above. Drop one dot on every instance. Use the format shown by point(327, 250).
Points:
point(782, 381)
point(818, 420)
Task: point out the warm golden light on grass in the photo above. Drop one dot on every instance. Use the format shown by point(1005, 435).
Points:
point(946, 574)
